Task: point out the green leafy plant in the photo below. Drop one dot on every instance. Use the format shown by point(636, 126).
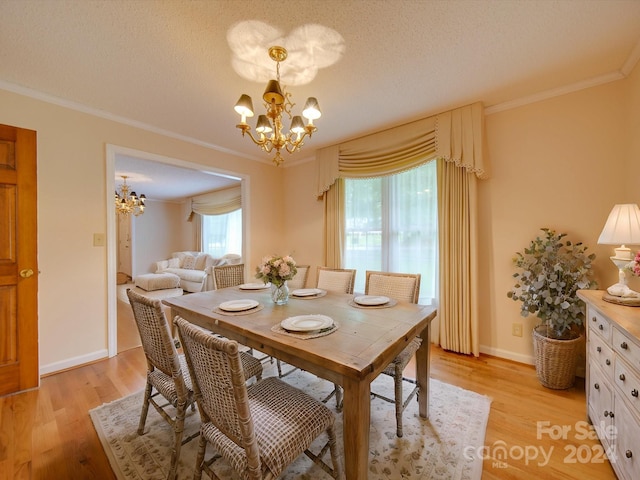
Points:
point(552, 270)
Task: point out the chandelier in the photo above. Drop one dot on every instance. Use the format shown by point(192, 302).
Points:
point(127, 202)
point(269, 127)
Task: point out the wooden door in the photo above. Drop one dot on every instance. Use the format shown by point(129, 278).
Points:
point(18, 261)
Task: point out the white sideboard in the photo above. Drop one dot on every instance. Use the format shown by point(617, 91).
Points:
point(613, 380)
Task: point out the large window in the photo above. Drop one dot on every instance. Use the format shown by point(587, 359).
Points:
point(222, 234)
point(392, 225)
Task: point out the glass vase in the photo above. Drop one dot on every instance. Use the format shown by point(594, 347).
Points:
point(280, 294)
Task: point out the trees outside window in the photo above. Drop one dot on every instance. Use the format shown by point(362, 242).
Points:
point(392, 225)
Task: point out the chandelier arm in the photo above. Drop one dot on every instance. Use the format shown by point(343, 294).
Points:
point(261, 142)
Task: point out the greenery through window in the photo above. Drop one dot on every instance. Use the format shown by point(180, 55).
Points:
point(222, 234)
point(392, 225)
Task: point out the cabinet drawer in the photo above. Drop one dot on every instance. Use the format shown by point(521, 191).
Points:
point(599, 324)
point(602, 354)
point(628, 383)
point(627, 443)
point(626, 348)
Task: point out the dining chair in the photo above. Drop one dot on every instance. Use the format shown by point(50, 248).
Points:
point(336, 279)
point(167, 372)
point(228, 275)
point(259, 429)
point(300, 279)
point(403, 287)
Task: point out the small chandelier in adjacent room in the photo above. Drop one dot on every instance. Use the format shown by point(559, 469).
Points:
point(128, 202)
point(277, 100)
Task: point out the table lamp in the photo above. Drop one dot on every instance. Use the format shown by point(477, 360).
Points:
point(622, 228)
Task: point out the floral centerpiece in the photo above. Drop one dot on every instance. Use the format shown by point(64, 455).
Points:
point(277, 270)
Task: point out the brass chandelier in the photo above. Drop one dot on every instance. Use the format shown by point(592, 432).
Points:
point(269, 127)
point(127, 201)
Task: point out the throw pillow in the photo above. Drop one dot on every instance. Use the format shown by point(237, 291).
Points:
point(201, 261)
point(189, 262)
point(174, 263)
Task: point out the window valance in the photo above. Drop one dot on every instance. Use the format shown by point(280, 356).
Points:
point(217, 202)
point(456, 136)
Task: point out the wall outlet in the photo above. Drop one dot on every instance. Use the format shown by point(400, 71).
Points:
point(516, 329)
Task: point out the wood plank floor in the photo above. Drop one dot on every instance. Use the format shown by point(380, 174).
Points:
point(47, 433)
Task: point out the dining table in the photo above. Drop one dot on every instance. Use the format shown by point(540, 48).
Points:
point(361, 341)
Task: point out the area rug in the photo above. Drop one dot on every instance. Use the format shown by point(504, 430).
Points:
point(433, 448)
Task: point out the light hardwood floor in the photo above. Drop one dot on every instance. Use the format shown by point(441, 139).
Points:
point(47, 433)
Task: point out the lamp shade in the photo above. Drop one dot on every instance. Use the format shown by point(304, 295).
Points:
point(244, 106)
point(622, 227)
point(273, 93)
point(311, 109)
point(296, 124)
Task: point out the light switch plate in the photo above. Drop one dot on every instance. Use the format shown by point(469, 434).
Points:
point(98, 239)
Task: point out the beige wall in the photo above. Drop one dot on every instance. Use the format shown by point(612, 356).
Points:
point(560, 163)
point(161, 230)
point(71, 166)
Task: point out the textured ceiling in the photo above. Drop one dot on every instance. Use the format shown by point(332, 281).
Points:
point(167, 65)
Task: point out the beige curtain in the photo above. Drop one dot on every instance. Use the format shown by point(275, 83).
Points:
point(334, 225)
point(457, 138)
point(217, 202)
point(458, 272)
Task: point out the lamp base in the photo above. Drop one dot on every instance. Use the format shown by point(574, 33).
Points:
point(626, 301)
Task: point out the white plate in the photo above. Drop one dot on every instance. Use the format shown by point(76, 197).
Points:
point(238, 305)
point(306, 292)
point(254, 286)
point(371, 300)
point(306, 323)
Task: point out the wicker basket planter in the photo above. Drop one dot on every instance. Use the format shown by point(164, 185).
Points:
point(555, 359)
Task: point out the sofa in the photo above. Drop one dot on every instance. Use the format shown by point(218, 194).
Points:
point(195, 269)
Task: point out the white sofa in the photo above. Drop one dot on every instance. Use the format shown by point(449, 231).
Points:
point(195, 269)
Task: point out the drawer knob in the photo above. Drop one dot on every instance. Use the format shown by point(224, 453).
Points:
point(628, 454)
point(622, 377)
point(599, 349)
point(593, 319)
point(634, 393)
point(600, 327)
point(596, 386)
point(608, 362)
point(624, 345)
point(606, 413)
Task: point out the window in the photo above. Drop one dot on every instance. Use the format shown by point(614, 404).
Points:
point(222, 234)
point(392, 225)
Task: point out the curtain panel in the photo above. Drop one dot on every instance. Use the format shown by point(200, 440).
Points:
point(455, 137)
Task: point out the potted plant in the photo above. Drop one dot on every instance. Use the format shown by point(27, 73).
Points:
point(551, 271)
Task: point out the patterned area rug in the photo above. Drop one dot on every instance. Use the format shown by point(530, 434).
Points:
point(431, 448)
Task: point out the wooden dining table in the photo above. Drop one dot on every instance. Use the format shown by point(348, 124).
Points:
point(367, 339)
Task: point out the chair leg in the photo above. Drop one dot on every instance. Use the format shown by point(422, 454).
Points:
point(397, 380)
point(145, 408)
point(336, 458)
point(178, 431)
point(202, 446)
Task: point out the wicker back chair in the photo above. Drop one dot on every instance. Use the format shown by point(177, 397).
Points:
point(228, 275)
point(300, 280)
point(259, 429)
point(403, 287)
point(336, 279)
point(167, 372)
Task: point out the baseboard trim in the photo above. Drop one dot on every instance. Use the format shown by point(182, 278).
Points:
point(73, 362)
point(516, 357)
